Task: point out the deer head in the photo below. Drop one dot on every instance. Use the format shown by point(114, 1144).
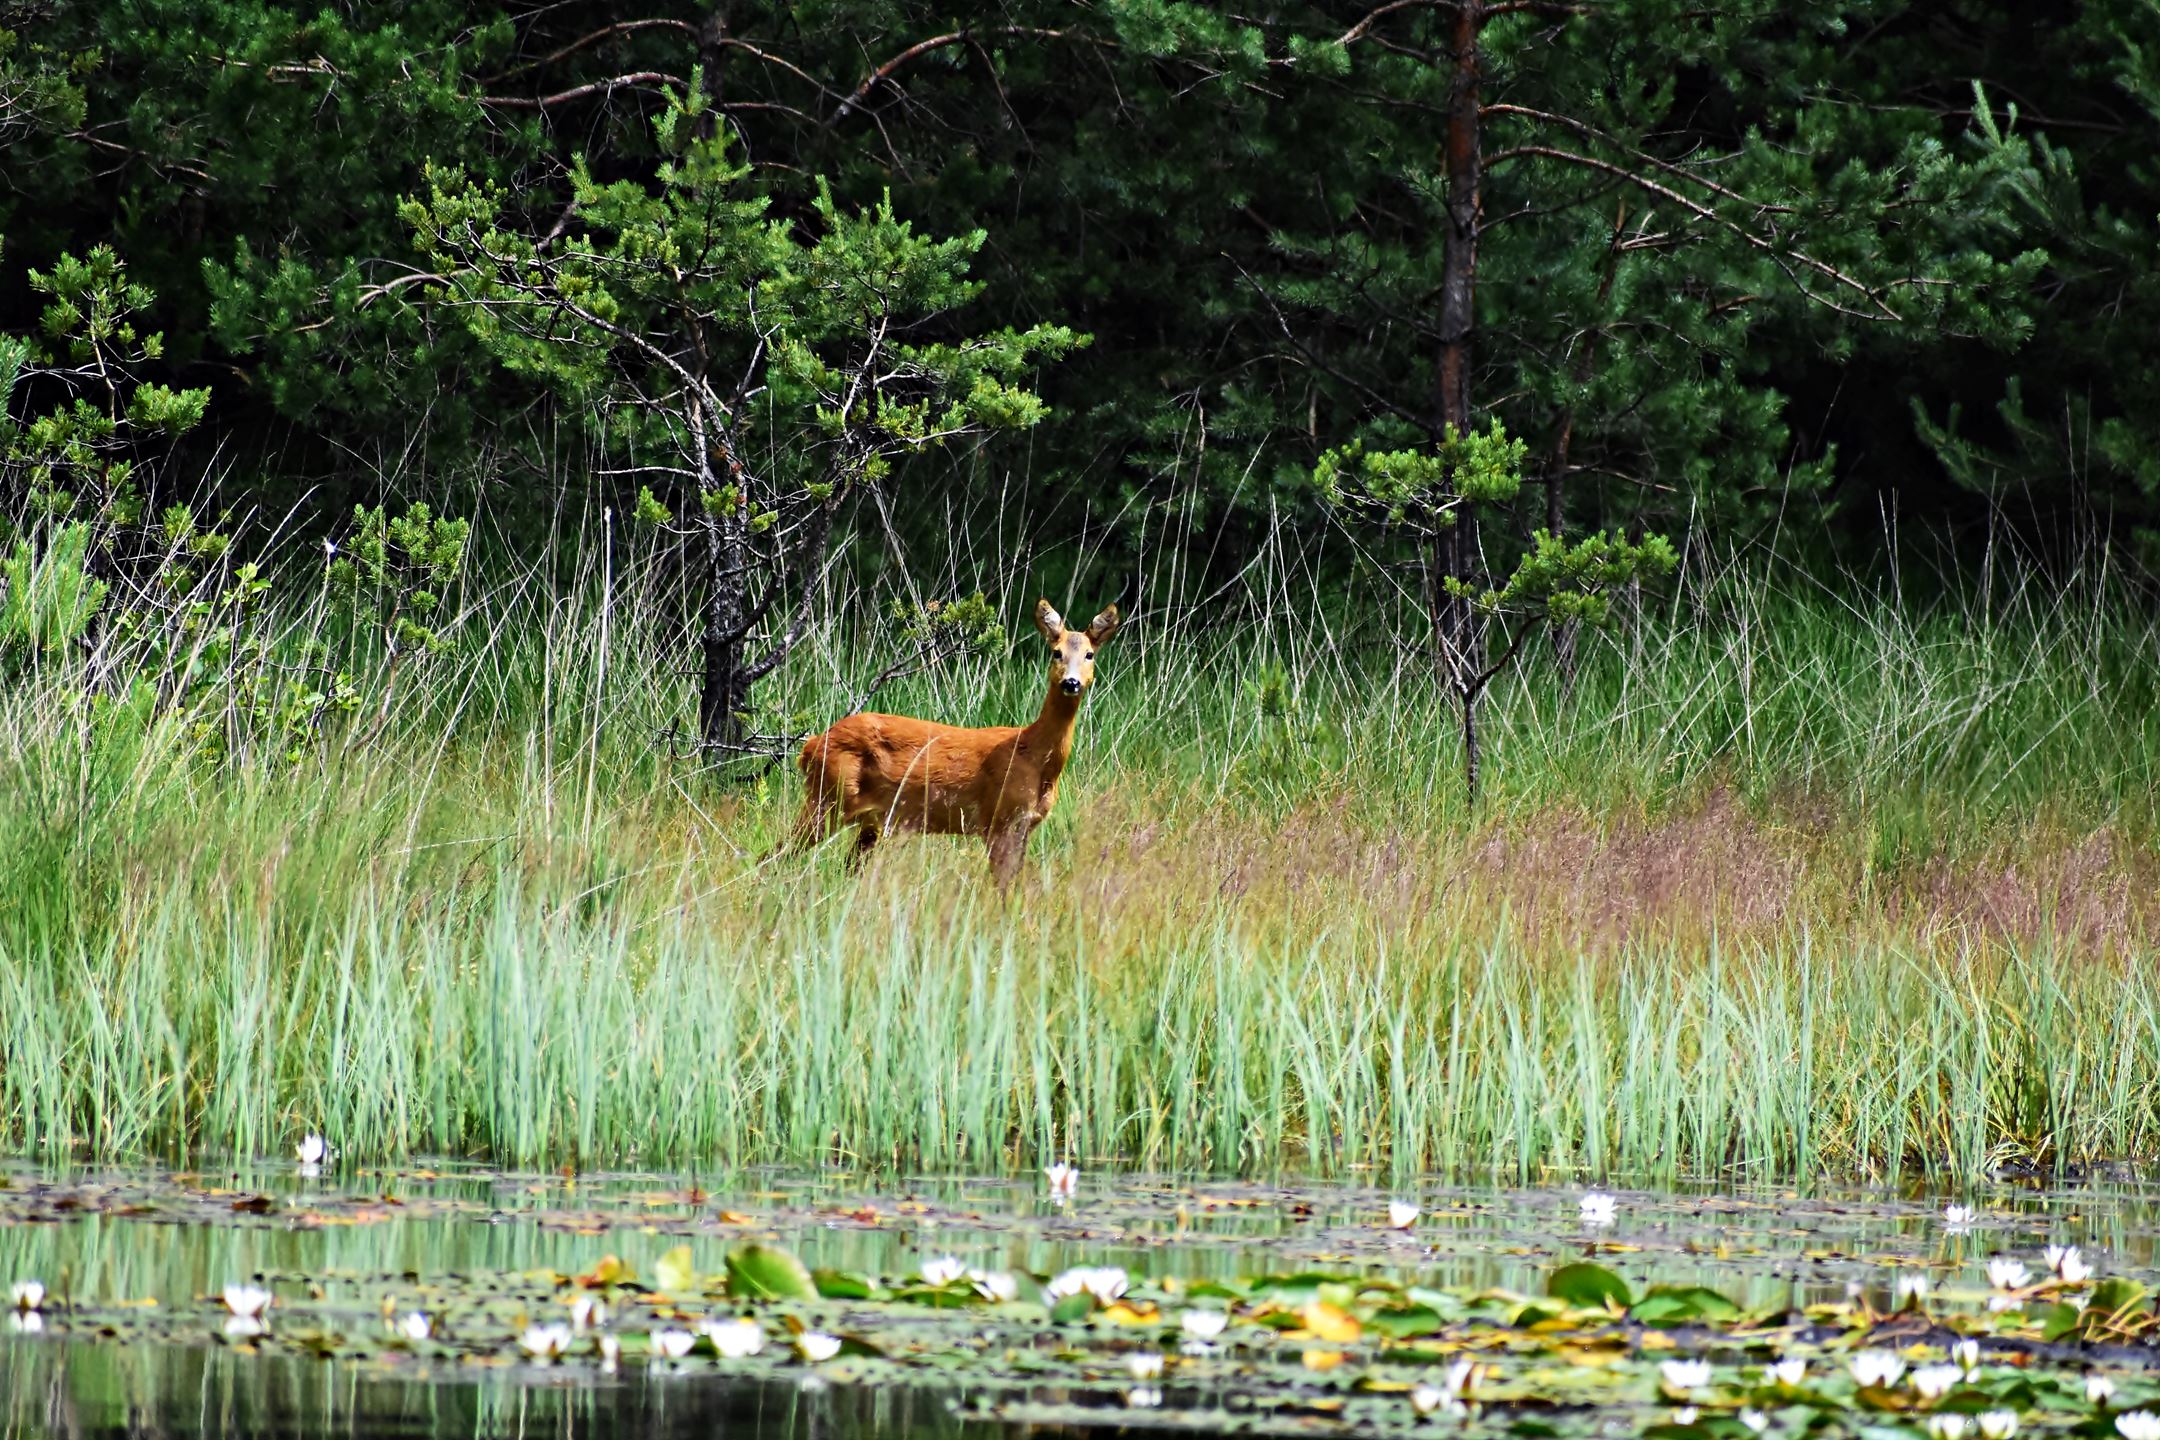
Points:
point(1072, 652)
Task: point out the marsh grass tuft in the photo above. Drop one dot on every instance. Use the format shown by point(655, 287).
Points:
point(1786, 884)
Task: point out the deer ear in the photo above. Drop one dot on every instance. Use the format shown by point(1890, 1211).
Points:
point(1049, 621)
point(1103, 626)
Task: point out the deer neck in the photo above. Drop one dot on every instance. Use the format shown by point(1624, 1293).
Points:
point(1051, 736)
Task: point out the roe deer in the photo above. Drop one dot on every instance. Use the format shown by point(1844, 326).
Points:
point(892, 772)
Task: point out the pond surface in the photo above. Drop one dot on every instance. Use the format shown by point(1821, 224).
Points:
point(1332, 1317)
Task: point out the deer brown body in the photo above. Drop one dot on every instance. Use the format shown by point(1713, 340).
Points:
point(894, 772)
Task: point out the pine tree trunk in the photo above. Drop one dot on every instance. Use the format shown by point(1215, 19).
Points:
point(724, 682)
point(1455, 549)
point(723, 692)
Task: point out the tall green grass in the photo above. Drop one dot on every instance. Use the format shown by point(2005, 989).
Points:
point(1789, 882)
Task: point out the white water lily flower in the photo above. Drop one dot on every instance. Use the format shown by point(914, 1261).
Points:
point(1143, 1397)
point(1064, 1181)
point(996, 1286)
point(2098, 1389)
point(1427, 1399)
point(2007, 1272)
point(1959, 1214)
point(1064, 1283)
point(1463, 1376)
point(672, 1344)
point(416, 1326)
point(2068, 1263)
point(734, 1339)
point(1998, 1424)
point(1910, 1285)
point(1947, 1427)
point(1105, 1282)
point(1685, 1415)
point(1932, 1382)
point(545, 1342)
point(242, 1327)
point(1685, 1374)
point(586, 1312)
point(610, 1352)
point(313, 1150)
point(26, 1295)
point(1997, 1304)
point(1402, 1214)
point(1145, 1364)
point(1203, 1324)
point(817, 1348)
point(1877, 1369)
point(1755, 1420)
point(2138, 1425)
point(942, 1271)
point(1598, 1209)
point(247, 1301)
point(1789, 1372)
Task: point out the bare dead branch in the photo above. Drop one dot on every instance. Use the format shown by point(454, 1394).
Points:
point(579, 92)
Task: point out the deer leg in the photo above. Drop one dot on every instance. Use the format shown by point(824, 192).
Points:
point(812, 827)
point(865, 841)
point(1008, 844)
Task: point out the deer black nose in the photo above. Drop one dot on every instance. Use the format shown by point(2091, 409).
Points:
point(1070, 685)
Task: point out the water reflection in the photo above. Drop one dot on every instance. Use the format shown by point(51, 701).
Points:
point(91, 1391)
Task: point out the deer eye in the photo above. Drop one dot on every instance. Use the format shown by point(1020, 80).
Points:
point(1091, 654)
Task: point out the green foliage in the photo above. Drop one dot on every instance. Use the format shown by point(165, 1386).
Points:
point(48, 600)
point(1426, 485)
point(1573, 583)
point(389, 573)
point(951, 627)
point(820, 320)
point(77, 458)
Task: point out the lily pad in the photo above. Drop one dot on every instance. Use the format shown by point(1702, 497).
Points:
point(763, 1272)
point(1590, 1286)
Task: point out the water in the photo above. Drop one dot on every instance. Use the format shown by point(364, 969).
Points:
point(144, 1253)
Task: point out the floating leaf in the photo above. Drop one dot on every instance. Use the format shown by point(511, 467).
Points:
point(840, 1284)
point(1398, 1322)
point(675, 1272)
point(1073, 1308)
point(2115, 1296)
point(1678, 1304)
point(1331, 1323)
point(1591, 1286)
point(610, 1271)
point(2057, 1320)
point(765, 1272)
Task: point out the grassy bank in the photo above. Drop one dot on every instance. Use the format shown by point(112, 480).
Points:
point(1789, 882)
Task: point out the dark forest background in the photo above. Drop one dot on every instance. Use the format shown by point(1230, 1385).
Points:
point(1746, 272)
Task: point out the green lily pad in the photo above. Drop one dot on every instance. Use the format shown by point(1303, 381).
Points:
point(1679, 1305)
point(1590, 1286)
point(1398, 1322)
point(763, 1272)
point(841, 1284)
